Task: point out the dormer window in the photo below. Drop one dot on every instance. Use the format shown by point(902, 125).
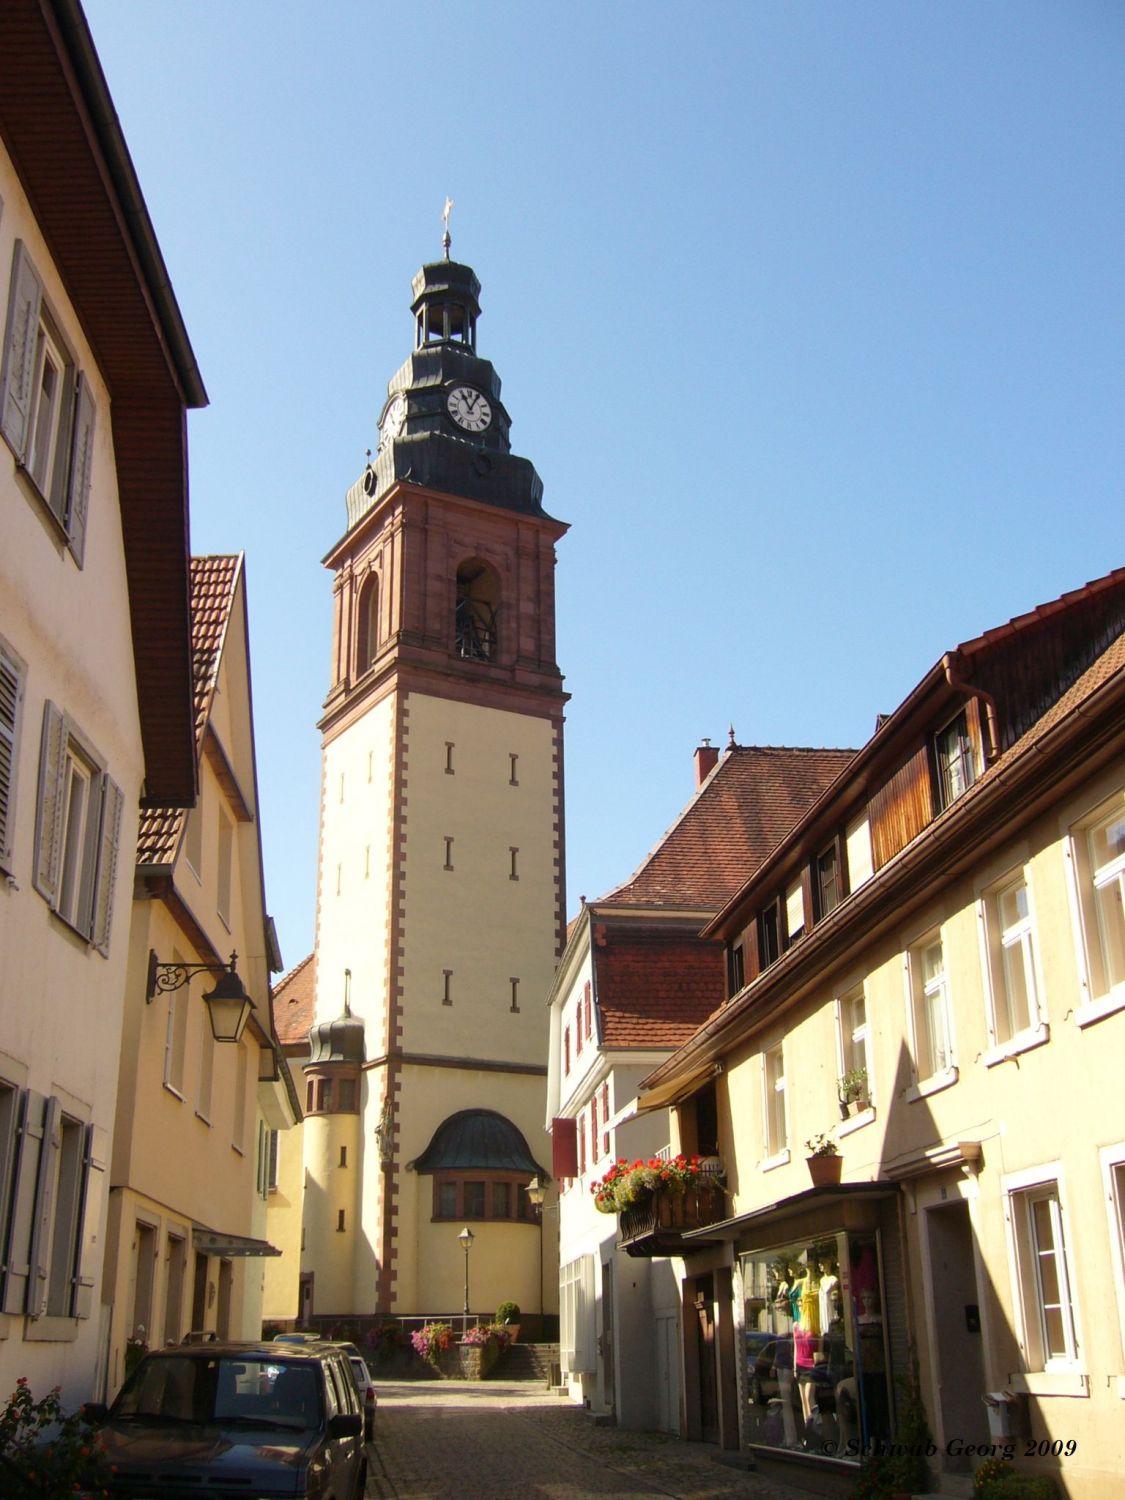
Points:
point(953, 757)
point(794, 913)
point(769, 935)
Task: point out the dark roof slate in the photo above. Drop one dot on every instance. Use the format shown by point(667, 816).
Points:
point(748, 803)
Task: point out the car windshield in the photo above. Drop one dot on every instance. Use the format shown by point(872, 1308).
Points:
point(222, 1389)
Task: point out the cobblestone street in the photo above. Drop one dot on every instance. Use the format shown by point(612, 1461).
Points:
point(491, 1441)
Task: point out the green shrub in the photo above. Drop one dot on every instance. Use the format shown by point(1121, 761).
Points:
point(508, 1312)
point(997, 1480)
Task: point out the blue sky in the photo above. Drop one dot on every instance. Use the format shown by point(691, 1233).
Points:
point(810, 316)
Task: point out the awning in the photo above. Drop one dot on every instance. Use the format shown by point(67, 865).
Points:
point(818, 1197)
point(216, 1242)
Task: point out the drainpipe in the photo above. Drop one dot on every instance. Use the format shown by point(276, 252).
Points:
point(951, 664)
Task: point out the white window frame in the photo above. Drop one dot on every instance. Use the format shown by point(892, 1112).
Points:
point(54, 448)
point(577, 1305)
point(1100, 998)
point(1020, 1191)
point(775, 1117)
point(851, 1042)
point(1112, 1160)
point(78, 830)
point(224, 885)
point(175, 1036)
point(997, 943)
point(923, 998)
point(955, 774)
point(13, 681)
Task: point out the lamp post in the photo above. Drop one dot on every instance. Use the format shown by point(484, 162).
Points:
point(466, 1237)
point(536, 1193)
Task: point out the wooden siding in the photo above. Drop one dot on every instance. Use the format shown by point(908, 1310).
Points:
point(901, 808)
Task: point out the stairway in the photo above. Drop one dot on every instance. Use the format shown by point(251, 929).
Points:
point(529, 1362)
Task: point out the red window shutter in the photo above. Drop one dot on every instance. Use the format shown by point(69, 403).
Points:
point(578, 1033)
point(564, 1147)
point(589, 1010)
point(582, 1145)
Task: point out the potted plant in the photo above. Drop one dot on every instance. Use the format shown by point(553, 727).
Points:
point(852, 1089)
point(508, 1316)
point(823, 1161)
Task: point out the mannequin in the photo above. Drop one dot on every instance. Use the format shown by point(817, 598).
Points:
point(806, 1336)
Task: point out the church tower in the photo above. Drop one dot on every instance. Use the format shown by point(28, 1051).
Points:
point(440, 897)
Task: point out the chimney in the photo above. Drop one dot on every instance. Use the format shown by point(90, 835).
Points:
point(706, 759)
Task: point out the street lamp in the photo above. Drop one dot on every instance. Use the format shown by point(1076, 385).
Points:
point(466, 1237)
point(536, 1193)
point(228, 1004)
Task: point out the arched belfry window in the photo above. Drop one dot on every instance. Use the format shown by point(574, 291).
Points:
point(478, 605)
point(367, 631)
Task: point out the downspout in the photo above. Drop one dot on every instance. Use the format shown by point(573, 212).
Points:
point(951, 663)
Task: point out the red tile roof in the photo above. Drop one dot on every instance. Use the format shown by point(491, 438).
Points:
point(294, 1004)
point(747, 804)
point(654, 990)
point(213, 581)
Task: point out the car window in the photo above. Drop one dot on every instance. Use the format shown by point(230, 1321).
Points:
point(294, 1395)
point(349, 1399)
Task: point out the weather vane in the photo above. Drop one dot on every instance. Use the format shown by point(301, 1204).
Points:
point(445, 239)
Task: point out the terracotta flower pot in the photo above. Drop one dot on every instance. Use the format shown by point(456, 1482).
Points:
point(824, 1170)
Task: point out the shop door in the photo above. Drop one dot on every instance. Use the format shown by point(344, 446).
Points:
point(667, 1370)
point(955, 1319)
point(708, 1382)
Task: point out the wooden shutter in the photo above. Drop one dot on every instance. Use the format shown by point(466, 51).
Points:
point(10, 695)
point(88, 1237)
point(109, 837)
point(25, 1178)
point(564, 1147)
point(16, 385)
point(44, 1212)
point(49, 819)
point(81, 470)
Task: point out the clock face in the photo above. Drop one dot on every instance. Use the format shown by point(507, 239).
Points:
point(468, 408)
point(393, 419)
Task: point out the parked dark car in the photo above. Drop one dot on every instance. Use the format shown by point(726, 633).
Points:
point(263, 1420)
point(360, 1374)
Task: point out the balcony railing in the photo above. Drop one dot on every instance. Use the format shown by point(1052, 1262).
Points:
point(657, 1226)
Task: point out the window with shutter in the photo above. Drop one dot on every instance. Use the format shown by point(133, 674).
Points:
point(47, 410)
point(78, 830)
point(25, 1176)
point(11, 697)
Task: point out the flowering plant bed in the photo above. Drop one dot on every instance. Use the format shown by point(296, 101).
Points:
point(432, 1341)
point(43, 1451)
point(629, 1184)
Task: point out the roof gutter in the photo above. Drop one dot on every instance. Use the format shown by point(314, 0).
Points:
point(952, 663)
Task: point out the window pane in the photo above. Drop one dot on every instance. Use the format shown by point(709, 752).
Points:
point(1110, 906)
point(473, 1200)
point(447, 1200)
point(501, 1200)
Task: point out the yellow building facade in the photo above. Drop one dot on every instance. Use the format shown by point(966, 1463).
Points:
point(930, 972)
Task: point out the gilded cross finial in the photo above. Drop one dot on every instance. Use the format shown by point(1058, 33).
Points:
point(445, 238)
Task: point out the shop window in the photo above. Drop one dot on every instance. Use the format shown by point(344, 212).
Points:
point(816, 1346)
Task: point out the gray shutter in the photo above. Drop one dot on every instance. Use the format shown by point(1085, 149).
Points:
point(25, 1177)
point(43, 1216)
point(22, 330)
point(80, 471)
point(9, 725)
point(49, 819)
point(110, 836)
point(94, 1155)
